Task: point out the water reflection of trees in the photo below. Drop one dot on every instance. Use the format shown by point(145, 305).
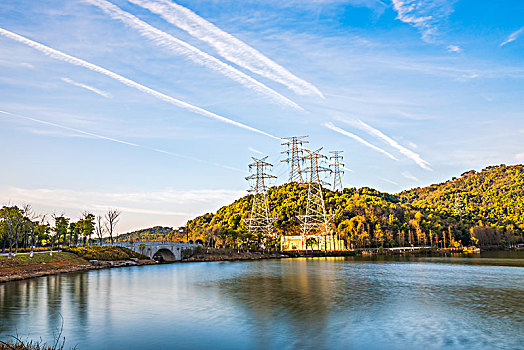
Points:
point(79, 302)
point(13, 296)
point(39, 307)
point(291, 301)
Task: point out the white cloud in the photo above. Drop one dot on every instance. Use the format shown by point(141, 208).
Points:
point(414, 116)
point(410, 176)
point(27, 65)
point(425, 15)
point(412, 145)
point(358, 138)
point(454, 48)
point(16, 64)
point(155, 205)
point(87, 87)
point(139, 209)
point(58, 55)
point(192, 53)
point(512, 37)
point(469, 76)
point(520, 157)
point(227, 46)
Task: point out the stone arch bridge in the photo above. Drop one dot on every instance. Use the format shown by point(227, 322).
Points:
point(162, 250)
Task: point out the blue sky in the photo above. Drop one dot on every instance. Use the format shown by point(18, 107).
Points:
point(413, 91)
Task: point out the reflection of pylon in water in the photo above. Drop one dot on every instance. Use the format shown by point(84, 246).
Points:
point(294, 155)
point(337, 177)
point(316, 222)
point(260, 219)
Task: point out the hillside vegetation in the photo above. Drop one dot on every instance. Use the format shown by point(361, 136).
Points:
point(156, 233)
point(494, 196)
point(490, 203)
point(490, 213)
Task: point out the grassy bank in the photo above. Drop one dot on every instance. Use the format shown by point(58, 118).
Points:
point(22, 266)
point(70, 259)
point(104, 253)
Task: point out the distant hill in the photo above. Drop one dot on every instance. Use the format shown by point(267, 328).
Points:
point(491, 202)
point(148, 234)
point(494, 196)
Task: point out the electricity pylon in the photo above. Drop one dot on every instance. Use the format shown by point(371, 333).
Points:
point(260, 219)
point(337, 178)
point(294, 155)
point(316, 221)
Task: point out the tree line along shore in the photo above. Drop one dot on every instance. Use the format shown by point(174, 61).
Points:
point(72, 259)
point(484, 209)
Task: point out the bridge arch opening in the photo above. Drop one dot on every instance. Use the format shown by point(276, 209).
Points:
point(164, 255)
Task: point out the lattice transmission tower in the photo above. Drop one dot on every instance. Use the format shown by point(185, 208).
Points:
point(260, 219)
point(316, 221)
point(294, 153)
point(336, 165)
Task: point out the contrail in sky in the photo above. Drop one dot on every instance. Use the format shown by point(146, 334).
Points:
point(180, 47)
point(358, 138)
point(79, 62)
point(228, 46)
point(70, 129)
point(98, 136)
point(410, 176)
point(512, 37)
point(254, 150)
point(87, 87)
point(405, 151)
point(389, 181)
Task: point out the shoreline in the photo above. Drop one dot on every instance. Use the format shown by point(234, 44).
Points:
point(37, 270)
point(70, 264)
point(40, 270)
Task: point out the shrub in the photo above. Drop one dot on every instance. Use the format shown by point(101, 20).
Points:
point(104, 253)
point(36, 249)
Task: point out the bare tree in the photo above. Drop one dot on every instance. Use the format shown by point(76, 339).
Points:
point(99, 228)
point(32, 220)
point(111, 221)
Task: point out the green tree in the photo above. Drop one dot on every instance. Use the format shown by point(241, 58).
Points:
point(12, 221)
point(59, 231)
point(87, 226)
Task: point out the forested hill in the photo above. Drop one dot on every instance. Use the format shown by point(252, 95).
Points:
point(494, 196)
point(148, 234)
point(492, 203)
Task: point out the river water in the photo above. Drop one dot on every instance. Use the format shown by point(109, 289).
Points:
point(317, 303)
